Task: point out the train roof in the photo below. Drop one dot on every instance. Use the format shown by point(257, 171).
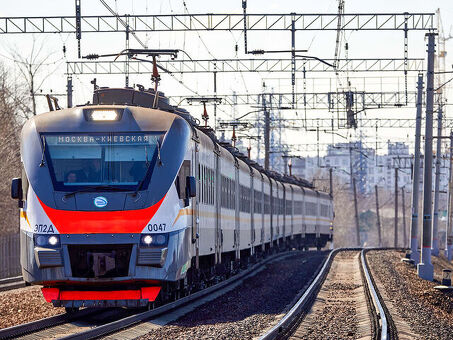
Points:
point(145, 98)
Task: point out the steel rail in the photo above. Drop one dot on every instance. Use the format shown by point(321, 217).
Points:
point(375, 299)
point(38, 325)
point(10, 283)
point(288, 321)
point(286, 325)
point(35, 326)
point(148, 315)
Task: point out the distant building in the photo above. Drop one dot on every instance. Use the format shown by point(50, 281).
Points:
point(368, 168)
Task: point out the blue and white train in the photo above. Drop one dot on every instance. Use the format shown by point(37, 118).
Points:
point(122, 204)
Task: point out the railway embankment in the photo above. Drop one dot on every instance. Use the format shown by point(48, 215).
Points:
point(419, 310)
point(24, 305)
point(254, 306)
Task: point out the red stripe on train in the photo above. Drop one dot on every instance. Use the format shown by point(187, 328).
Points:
point(99, 222)
point(149, 293)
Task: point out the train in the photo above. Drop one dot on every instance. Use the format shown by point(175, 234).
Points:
point(127, 202)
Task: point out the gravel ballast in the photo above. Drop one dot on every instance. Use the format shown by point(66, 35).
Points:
point(340, 310)
point(24, 305)
point(428, 312)
point(247, 311)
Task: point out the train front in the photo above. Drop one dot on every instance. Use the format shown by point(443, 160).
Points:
point(102, 222)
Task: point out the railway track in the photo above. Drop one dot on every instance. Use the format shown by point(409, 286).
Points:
point(11, 283)
point(342, 301)
point(93, 323)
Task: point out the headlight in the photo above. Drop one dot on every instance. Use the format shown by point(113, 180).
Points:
point(47, 241)
point(107, 115)
point(154, 240)
point(148, 239)
point(160, 239)
point(53, 240)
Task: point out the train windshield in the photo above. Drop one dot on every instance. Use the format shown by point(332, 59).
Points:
point(123, 160)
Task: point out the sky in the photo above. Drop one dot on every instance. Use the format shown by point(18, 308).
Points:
point(362, 44)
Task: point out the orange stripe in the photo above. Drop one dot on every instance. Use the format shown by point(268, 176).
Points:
point(23, 214)
point(183, 212)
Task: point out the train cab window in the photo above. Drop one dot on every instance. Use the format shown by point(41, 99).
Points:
point(124, 160)
point(25, 184)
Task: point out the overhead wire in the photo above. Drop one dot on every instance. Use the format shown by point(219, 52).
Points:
point(186, 9)
point(199, 36)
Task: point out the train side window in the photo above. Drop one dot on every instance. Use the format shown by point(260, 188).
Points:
point(201, 185)
point(180, 179)
point(212, 186)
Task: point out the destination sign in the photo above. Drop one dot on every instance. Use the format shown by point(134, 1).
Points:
point(102, 139)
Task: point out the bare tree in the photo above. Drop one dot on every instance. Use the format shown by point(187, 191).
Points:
point(35, 67)
point(12, 114)
point(344, 224)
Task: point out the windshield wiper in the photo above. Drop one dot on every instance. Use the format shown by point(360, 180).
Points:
point(43, 151)
point(95, 187)
point(158, 153)
point(148, 164)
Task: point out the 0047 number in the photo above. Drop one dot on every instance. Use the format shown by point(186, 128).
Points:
point(157, 227)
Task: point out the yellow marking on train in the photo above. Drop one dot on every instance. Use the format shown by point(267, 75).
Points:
point(23, 214)
point(183, 212)
point(210, 214)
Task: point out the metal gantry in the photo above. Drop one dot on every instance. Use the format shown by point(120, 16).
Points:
point(216, 22)
point(332, 101)
point(328, 123)
point(271, 65)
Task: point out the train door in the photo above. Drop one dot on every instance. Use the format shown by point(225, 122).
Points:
point(291, 211)
point(218, 225)
point(303, 212)
point(283, 211)
point(275, 212)
point(318, 225)
point(252, 213)
point(195, 205)
point(261, 187)
point(271, 210)
point(237, 225)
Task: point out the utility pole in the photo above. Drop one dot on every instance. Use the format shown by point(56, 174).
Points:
point(69, 91)
point(425, 268)
point(267, 128)
point(378, 217)
point(330, 182)
point(415, 256)
point(351, 174)
point(293, 59)
point(449, 233)
point(435, 237)
point(78, 27)
point(244, 8)
point(215, 102)
point(395, 244)
point(403, 208)
point(354, 192)
point(356, 210)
